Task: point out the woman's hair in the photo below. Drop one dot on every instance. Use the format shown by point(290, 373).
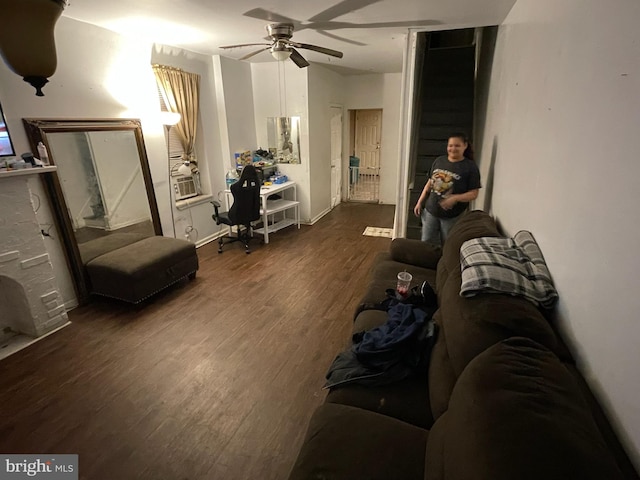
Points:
point(468, 152)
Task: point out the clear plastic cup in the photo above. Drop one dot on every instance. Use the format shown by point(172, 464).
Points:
point(404, 282)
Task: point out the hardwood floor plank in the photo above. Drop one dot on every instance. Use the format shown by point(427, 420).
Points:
point(212, 379)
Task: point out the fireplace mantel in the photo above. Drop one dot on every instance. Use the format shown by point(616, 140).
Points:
point(26, 171)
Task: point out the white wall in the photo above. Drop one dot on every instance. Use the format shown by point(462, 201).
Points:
point(380, 91)
point(100, 75)
point(564, 111)
point(209, 152)
point(236, 93)
point(325, 89)
point(280, 89)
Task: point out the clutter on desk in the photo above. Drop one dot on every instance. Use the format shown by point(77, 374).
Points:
point(264, 163)
point(279, 179)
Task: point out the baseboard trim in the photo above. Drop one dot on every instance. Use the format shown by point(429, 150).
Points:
point(317, 217)
point(211, 238)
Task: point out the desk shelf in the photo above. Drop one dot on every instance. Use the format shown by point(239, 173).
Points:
point(279, 225)
point(280, 205)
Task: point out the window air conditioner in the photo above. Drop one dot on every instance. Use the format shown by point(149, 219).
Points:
point(185, 187)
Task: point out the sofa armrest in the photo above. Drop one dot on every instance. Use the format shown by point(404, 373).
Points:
point(415, 252)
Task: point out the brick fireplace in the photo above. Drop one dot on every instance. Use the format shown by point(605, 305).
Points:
point(30, 303)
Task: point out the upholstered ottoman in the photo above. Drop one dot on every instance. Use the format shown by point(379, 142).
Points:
point(138, 270)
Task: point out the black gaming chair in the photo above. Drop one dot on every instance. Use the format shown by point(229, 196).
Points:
point(245, 209)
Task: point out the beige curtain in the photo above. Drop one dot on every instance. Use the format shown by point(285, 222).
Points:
point(180, 91)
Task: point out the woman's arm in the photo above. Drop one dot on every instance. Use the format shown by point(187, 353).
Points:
point(449, 202)
point(425, 191)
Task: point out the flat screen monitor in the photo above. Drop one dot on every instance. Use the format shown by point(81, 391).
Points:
point(6, 147)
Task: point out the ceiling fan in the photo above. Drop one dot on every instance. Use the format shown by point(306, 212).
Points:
point(325, 21)
point(282, 47)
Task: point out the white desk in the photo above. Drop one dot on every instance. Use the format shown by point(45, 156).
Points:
point(270, 208)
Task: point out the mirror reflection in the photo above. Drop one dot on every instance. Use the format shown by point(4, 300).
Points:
point(102, 182)
point(6, 147)
point(283, 136)
point(101, 194)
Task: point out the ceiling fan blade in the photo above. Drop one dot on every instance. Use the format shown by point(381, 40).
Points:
point(342, 39)
point(262, 14)
point(342, 8)
point(245, 45)
point(298, 59)
point(249, 55)
point(403, 24)
point(316, 48)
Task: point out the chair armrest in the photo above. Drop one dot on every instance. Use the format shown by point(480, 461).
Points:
point(415, 252)
point(216, 214)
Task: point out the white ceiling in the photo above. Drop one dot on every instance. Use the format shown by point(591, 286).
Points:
point(346, 25)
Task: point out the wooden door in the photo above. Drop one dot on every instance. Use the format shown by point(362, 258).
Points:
point(368, 128)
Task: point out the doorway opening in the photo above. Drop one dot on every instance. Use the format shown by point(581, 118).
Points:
point(364, 162)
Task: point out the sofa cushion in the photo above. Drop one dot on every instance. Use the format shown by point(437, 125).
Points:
point(609, 436)
point(136, 271)
point(471, 325)
point(441, 376)
point(415, 252)
point(384, 275)
point(516, 412)
point(471, 225)
point(99, 246)
point(347, 443)
point(406, 400)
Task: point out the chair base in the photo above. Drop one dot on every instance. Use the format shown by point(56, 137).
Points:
point(244, 235)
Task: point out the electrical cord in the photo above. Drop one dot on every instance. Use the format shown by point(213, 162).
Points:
point(35, 209)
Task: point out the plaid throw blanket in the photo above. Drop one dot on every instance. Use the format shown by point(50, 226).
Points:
point(507, 265)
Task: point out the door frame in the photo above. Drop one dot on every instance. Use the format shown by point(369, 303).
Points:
point(336, 164)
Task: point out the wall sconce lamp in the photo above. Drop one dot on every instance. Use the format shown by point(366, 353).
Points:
point(169, 119)
point(27, 42)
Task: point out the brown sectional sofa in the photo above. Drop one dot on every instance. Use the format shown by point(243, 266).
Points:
point(502, 398)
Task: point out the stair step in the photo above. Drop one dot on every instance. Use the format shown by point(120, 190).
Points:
point(457, 104)
point(414, 232)
point(439, 132)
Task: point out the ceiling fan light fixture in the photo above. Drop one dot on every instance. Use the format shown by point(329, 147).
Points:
point(280, 52)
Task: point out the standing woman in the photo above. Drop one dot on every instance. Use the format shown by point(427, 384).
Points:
point(454, 180)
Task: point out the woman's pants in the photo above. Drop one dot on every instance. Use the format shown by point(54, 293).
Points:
point(435, 230)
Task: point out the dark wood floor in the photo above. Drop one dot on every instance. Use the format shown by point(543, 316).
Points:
point(213, 379)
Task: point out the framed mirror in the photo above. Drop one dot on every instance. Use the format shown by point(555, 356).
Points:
point(283, 136)
point(102, 186)
point(6, 147)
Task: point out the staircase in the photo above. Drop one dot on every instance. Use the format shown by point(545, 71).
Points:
point(445, 105)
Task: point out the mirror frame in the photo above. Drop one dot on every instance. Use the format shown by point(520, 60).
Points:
point(37, 130)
